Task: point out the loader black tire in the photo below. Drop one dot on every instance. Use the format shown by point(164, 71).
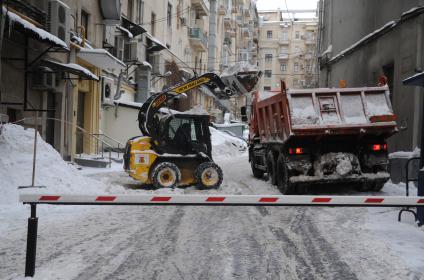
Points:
point(283, 182)
point(166, 175)
point(271, 167)
point(208, 176)
point(257, 173)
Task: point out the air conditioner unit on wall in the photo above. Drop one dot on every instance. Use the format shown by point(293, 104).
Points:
point(58, 20)
point(108, 91)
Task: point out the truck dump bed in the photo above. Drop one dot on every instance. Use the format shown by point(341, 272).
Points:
point(323, 111)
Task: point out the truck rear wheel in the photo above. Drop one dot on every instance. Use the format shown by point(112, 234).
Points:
point(257, 173)
point(271, 167)
point(283, 182)
point(208, 175)
point(166, 175)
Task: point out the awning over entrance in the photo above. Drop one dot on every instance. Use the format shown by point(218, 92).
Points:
point(416, 80)
point(30, 30)
point(70, 68)
point(156, 45)
point(101, 58)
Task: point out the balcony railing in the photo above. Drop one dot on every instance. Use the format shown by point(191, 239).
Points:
point(198, 38)
point(283, 56)
point(283, 41)
point(201, 7)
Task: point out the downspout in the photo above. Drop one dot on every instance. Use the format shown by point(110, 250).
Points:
point(212, 35)
point(418, 98)
point(2, 24)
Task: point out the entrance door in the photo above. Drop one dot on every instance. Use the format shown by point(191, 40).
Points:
point(80, 123)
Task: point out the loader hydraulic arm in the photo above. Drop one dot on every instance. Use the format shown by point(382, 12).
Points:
point(146, 116)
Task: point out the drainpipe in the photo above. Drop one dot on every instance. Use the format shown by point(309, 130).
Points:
point(418, 90)
point(212, 35)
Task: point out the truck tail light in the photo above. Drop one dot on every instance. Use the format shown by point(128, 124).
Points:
point(379, 147)
point(296, 151)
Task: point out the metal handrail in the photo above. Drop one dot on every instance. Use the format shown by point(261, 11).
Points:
point(82, 130)
point(113, 140)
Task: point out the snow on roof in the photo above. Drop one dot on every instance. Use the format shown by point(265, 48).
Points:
point(76, 67)
point(145, 63)
point(376, 32)
point(106, 61)
point(265, 95)
point(196, 110)
point(126, 31)
point(41, 33)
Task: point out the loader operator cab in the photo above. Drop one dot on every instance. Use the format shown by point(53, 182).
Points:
point(184, 134)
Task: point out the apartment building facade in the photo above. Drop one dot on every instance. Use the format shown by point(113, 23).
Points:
point(288, 49)
point(97, 61)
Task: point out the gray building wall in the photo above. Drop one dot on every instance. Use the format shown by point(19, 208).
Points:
point(343, 23)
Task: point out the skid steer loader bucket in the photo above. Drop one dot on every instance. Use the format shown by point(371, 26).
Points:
point(241, 82)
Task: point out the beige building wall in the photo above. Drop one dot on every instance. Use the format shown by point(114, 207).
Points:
point(288, 51)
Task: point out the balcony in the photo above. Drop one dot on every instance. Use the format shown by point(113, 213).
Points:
point(230, 33)
point(239, 20)
point(201, 7)
point(245, 32)
point(283, 57)
point(198, 39)
point(310, 42)
point(228, 24)
point(222, 10)
point(308, 56)
point(246, 12)
point(283, 42)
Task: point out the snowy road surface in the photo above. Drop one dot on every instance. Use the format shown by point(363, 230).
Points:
point(118, 242)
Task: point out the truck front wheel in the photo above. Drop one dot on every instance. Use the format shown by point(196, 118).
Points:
point(283, 180)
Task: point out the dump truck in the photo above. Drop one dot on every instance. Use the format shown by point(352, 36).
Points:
point(309, 137)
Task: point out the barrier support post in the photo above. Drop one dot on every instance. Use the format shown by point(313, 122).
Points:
point(31, 250)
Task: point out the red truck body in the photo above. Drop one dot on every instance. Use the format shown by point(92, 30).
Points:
point(318, 128)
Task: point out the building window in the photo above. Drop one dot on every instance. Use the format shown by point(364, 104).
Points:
point(84, 22)
point(169, 15)
point(308, 68)
point(297, 35)
point(284, 36)
point(268, 73)
point(140, 12)
point(152, 23)
point(267, 88)
point(130, 9)
point(269, 34)
point(296, 67)
point(268, 57)
point(283, 67)
point(295, 83)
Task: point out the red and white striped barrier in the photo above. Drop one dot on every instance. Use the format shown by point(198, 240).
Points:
point(277, 200)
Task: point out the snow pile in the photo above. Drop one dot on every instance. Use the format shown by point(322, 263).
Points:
point(16, 150)
point(225, 145)
point(197, 110)
point(265, 95)
point(305, 115)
